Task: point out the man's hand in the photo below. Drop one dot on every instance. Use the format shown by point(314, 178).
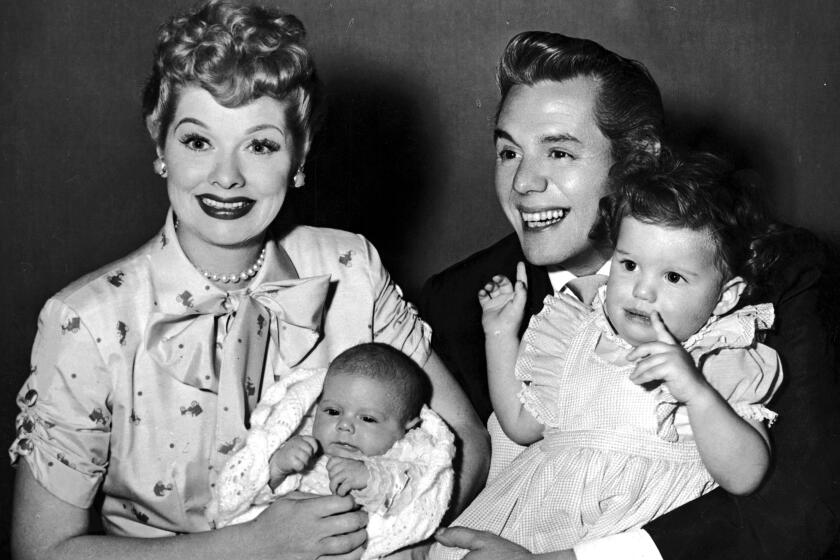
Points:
point(487, 546)
point(347, 474)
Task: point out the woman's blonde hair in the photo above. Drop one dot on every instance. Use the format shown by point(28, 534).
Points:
point(238, 54)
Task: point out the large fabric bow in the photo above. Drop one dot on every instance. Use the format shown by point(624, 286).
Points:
point(182, 339)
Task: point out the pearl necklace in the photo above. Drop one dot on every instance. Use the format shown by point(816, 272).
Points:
point(235, 278)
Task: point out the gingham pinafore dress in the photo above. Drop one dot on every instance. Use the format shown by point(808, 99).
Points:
point(614, 454)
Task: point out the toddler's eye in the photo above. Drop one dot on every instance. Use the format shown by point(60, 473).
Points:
point(369, 419)
point(628, 265)
point(329, 411)
point(673, 277)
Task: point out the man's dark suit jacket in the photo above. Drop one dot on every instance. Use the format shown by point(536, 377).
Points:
point(796, 512)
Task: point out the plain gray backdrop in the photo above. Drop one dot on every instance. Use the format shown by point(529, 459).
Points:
point(406, 155)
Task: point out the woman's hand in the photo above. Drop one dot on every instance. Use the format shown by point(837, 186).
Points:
point(292, 528)
point(666, 360)
point(487, 546)
point(305, 526)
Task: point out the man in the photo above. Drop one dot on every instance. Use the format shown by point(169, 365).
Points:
point(570, 110)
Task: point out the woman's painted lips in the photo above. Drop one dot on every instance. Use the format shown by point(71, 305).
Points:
point(225, 208)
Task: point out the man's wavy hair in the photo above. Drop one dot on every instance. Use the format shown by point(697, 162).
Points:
point(238, 54)
point(702, 192)
point(628, 109)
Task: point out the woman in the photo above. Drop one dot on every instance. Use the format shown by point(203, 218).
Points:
point(144, 372)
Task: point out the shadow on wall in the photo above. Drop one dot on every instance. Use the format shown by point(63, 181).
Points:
point(370, 165)
point(747, 148)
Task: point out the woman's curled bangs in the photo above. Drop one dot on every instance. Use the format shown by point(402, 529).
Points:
point(237, 54)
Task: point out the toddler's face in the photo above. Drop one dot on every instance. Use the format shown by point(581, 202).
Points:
point(664, 269)
point(356, 415)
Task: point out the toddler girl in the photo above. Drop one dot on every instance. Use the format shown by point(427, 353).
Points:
point(372, 437)
point(656, 395)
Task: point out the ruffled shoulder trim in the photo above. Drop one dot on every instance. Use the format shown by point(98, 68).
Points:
point(543, 352)
point(733, 330)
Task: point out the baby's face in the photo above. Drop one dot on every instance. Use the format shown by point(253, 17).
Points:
point(664, 269)
point(356, 415)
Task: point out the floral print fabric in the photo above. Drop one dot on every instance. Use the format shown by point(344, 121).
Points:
point(115, 404)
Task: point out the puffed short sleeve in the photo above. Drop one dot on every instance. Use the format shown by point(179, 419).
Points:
point(395, 320)
point(747, 378)
point(63, 427)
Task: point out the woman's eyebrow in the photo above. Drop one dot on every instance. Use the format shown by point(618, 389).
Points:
point(187, 120)
point(265, 126)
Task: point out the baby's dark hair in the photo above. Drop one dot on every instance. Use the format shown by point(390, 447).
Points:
point(698, 191)
point(409, 385)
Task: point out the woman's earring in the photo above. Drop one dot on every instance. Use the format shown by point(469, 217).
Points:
point(300, 178)
point(160, 167)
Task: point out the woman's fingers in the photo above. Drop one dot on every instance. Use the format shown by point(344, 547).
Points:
point(353, 541)
point(353, 555)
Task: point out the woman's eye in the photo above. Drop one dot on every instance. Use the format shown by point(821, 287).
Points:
point(673, 277)
point(195, 142)
point(264, 146)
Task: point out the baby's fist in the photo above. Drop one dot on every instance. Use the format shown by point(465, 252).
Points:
point(291, 457)
point(346, 475)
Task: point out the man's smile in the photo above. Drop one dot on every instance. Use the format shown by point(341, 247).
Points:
point(542, 219)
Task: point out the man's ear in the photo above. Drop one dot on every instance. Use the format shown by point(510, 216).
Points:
point(413, 423)
point(730, 294)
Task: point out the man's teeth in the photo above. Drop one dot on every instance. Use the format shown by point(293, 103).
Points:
point(543, 218)
point(224, 205)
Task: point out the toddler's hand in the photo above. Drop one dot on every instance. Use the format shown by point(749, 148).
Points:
point(346, 475)
point(666, 360)
point(503, 303)
point(291, 457)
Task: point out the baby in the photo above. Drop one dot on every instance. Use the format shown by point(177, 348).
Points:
point(372, 437)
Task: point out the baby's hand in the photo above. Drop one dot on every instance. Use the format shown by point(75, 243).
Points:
point(291, 457)
point(503, 303)
point(667, 361)
point(346, 475)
